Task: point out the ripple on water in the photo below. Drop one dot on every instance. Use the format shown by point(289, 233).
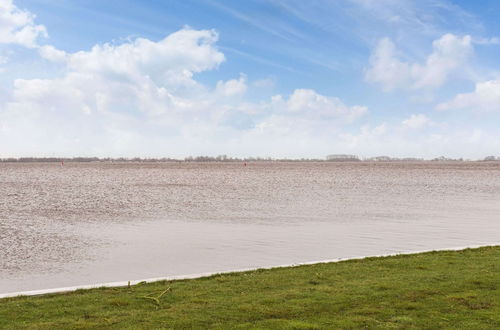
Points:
point(79, 222)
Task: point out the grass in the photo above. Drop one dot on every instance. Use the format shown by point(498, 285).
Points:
point(436, 290)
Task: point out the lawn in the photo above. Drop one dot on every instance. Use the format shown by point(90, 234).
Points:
point(436, 290)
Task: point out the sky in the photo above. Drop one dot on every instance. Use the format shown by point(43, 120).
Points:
point(256, 78)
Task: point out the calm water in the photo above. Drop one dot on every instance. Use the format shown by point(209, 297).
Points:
point(87, 223)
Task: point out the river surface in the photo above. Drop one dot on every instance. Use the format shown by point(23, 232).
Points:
point(86, 223)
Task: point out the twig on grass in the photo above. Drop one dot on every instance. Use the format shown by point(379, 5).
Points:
point(156, 300)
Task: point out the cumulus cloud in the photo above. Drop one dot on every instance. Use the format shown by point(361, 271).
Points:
point(139, 75)
point(168, 62)
point(449, 53)
point(417, 121)
point(485, 97)
point(142, 97)
point(52, 54)
point(303, 115)
point(233, 87)
point(307, 102)
point(137, 91)
point(386, 68)
point(18, 26)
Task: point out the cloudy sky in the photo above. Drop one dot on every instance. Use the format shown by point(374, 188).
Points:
point(270, 78)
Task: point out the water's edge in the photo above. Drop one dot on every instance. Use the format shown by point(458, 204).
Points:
point(207, 274)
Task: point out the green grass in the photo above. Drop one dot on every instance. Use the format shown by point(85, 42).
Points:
point(436, 290)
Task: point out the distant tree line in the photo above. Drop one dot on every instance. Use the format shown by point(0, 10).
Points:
point(81, 159)
point(220, 158)
point(224, 158)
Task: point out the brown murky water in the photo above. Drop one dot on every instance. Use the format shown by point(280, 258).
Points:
point(99, 222)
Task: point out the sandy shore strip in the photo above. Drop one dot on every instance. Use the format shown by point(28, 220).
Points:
point(207, 274)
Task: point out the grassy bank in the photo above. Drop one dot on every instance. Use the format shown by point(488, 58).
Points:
point(430, 290)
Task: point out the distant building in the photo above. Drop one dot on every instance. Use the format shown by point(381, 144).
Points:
point(342, 158)
point(491, 158)
point(381, 159)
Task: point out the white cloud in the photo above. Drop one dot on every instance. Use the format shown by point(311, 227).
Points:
point(169, 62)
point(385, 67)
point(368, 140)
point(307, 102)
point(449, 54)
point(416, 121)
point(140, 90)
point(18, 26)
point(303, 116)
point(141, 75)
point(142, 98)
point(485, 97)
point(303, 113)
point(52, 54)
point(233, 87)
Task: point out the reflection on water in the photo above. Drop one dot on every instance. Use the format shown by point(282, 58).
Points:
point(88, 223)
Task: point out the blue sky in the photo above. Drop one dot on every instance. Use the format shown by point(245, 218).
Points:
point(249, 78)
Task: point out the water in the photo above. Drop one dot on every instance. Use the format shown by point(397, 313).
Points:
point(87, 223)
